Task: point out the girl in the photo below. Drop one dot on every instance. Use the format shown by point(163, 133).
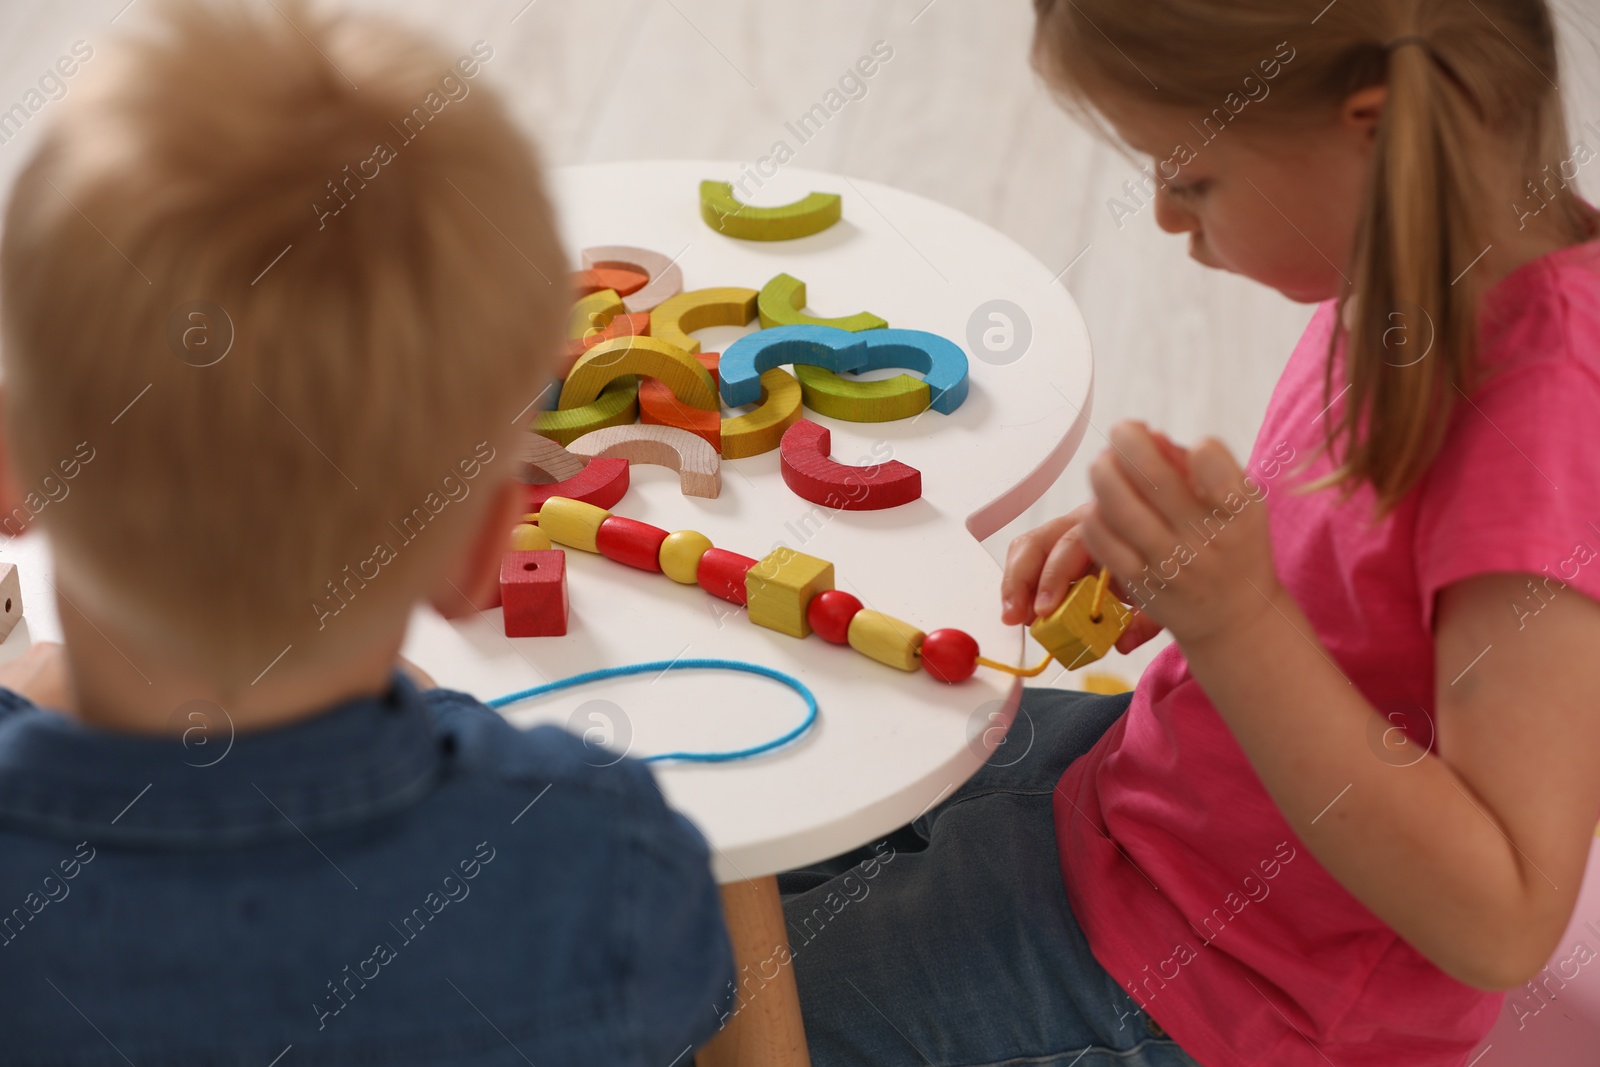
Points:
point(1355, 798)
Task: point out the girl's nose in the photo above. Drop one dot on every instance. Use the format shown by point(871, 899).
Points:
point(1173, 216)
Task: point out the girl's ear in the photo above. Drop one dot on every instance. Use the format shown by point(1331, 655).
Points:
point(1363, 111)
point(474, 582)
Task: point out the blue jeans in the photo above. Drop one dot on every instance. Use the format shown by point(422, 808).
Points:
point(951, 943)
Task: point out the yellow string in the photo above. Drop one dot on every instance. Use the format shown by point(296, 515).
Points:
point(1099, 595)
point(1020, 672)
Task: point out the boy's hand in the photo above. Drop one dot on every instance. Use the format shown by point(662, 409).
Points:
point(40, 674)
point(1194, 519)
point(1042, 563)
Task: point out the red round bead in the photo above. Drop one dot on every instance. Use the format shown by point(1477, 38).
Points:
point(950, 655)
point(829, 614)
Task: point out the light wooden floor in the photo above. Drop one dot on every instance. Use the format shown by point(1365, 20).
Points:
point(956, 115)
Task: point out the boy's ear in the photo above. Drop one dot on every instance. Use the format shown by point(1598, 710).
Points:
point(474, 583)
point(1363, 111)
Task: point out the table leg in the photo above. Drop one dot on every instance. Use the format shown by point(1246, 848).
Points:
point(765, 1030)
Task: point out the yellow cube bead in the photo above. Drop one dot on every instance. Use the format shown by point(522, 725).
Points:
point(572, 522)
point(680, 555)
point(780, 587)
point(526, 538)
point(886, 639)
point(1072, 636)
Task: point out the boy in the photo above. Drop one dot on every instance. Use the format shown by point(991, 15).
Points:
point(290, 282)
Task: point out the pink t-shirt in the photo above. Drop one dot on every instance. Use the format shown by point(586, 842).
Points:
point(1191, 887)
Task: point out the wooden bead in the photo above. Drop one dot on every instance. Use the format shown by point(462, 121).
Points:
point(533, 593)
point(675, 319)
point(829, 614)
point(602, 483)
point(630, 356)
point(885, 639)
point(526, 538)
point(572, 522)
point(10, 599)
point(1072, 635)
point(680, 555)
point(721, 573)
point(950, 655)
point(809, 215)
point(815, 476)
point(638, 544)
point(779, 589)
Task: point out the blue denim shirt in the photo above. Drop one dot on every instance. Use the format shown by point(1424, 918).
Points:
point(405, 879)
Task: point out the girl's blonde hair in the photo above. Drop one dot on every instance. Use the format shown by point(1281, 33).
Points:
point(1456, 73)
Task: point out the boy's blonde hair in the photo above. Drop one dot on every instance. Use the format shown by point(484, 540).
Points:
point(1454, 70)
point(291, 278)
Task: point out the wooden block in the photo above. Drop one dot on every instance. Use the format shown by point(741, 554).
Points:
point(886, 639)
point(779, 589)
point(658, 407)
point(529, 538)
point(592, 313)
point(648, 356)
point(617, 405)
point(849, 400)
point(1071, 636)
point(624, 280)
point(666, 277)
point(783, 299)
point(697, 464)
point(675, 319)
point(624, 325)
point(761, 430)
point(533, 593)
point(804, 217)
point(721, 573)
point(941, 362)
point(572, 523)
point(602, 483)
point(680, 555)
point(547, 461)
point(10, 599)
point(754, 354)
point(637, 544)
point(815, 476)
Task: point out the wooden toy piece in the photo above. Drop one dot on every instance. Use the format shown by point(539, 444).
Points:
point(533, 592)
point(675, 319)
point(760, 431)
point(951, 656)
point(849, 400)
point(624, 280)
point(650, 356)
point(624, 325)
point(721, 573)
point(1072, 634)
point(1104, 684)
point(617, 405)
point(697, 464)
point(572, 522)
point(529, 538)
point(829, 614)
point(602, 483)
point(941, 362)
point(809, 215)
point(10, 599)
point(658, 407)
point(814, 476)
point(783, 299)
point(547, 461)
point(754, 354)
point(666, 277)
point(778, 590)
point(592, 312)
point(638, 544)
point(885, 639)
point(680, 555)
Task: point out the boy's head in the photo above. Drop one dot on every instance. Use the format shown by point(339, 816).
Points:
point(291, 280)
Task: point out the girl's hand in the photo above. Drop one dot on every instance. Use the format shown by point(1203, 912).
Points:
point(1188, 531)
point(1042, 563)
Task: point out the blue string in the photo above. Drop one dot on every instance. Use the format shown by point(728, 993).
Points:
point(679, 665)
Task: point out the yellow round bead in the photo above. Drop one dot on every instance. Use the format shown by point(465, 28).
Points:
point(680, 555)
point(527, 538)
point(572, 522)
point(885, 639)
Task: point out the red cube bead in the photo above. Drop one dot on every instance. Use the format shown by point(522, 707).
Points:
point(721, 573)
point(533, 591)
point(950, 655)
point(638, 544)
point(830, 612)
